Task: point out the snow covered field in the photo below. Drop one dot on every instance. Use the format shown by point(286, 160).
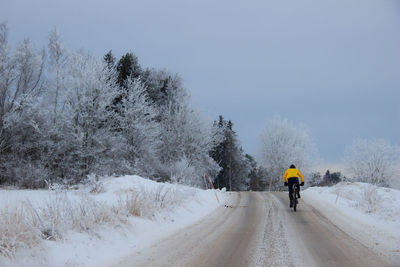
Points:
point(368, 213)
point(99, 223)
point(95, 224)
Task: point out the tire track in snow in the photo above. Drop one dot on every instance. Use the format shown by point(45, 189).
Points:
point(274, 249)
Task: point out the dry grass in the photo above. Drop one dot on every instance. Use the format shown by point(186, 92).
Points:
point(18, 228)
point(145, 203)
point(61, 214)
point(131, 204)
point(24, 226)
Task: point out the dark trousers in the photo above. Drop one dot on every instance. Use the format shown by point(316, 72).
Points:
point(294, 181)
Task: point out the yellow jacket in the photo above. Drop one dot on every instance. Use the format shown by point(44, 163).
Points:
point(290, 173)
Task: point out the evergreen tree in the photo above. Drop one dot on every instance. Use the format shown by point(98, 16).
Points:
point(217, 153)
point(128, 66)
point(110, 60)
point(336, 177)
point(257, 175)
point(162, 86)
point(327, 175)
point(235, 169)
point(331, 178)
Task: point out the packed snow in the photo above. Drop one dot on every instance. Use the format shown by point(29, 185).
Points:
point(97, 223)
point(366, 212)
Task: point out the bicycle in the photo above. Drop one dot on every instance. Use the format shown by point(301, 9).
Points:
point(293, 196)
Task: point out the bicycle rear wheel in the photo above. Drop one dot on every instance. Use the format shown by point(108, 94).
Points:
point(295, 191)
point(293, 197)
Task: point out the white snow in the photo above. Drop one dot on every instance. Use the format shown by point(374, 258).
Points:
point(366, 212)
point(96, 229)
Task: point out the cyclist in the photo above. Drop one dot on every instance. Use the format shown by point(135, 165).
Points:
point(290, 178)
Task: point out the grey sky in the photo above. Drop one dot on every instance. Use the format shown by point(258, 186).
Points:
point(333, 65)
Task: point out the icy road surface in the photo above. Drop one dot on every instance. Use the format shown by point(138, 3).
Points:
point(258, 229)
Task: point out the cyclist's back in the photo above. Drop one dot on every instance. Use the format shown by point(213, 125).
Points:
point(290, 178)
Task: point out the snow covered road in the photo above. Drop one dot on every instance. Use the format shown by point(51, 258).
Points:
point(258, 229)
point(318, 242)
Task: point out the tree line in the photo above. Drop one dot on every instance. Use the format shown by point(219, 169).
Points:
point(66, 114)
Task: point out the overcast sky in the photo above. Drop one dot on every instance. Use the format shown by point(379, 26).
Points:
point(333, 65)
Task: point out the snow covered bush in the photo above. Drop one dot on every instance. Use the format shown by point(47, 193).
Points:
point(96, 185)
point(182, 172)
point(371, 198)
point(373, 161)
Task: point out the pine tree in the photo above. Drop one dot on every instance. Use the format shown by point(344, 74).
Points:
point(331, 178)
point(163, 87)
point(110, 60)
point(257, 175)
point(128, 66)
point(217, 153)
point(230, 157)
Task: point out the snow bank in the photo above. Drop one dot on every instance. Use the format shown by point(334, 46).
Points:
point(97, 223)
point(368, 213)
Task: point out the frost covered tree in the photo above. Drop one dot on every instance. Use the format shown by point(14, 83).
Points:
point(373, 161)
point(283, 144)
point(6, 73)
point(186, 140)
point(21, 74)
point(139, 128)
point(21, 84)
point(185, 137)
point(92, 115)
point(83, 142)
point(57, 63)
